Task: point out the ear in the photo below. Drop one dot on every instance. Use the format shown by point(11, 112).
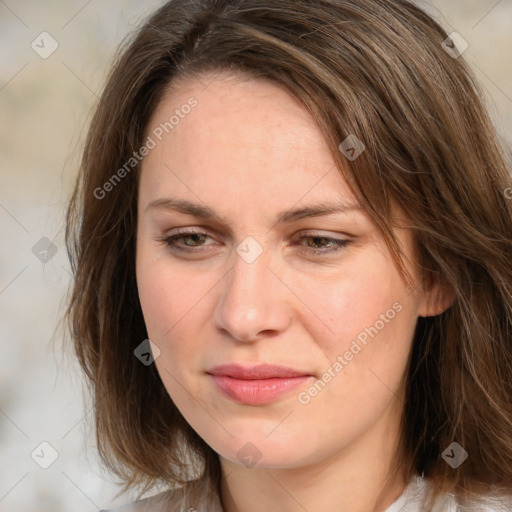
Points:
point(436, 297)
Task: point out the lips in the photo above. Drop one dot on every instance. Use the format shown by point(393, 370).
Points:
point(262, 371)
point(256, 385)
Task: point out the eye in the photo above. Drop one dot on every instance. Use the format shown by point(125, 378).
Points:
point(196, 237)
point(318, 240)
point(192, 241)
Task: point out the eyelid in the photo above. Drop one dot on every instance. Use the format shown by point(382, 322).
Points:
point(183, 232)
point(339, 243)
point(212, 232)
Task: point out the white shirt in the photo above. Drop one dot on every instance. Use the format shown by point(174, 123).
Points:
point(183, 500)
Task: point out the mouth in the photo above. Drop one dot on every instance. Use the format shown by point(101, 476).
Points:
point(257, 385)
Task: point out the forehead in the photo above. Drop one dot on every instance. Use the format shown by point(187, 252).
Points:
point(251, 136)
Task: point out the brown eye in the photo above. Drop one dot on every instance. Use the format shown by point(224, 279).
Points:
point(327, 244)
point(191, 240)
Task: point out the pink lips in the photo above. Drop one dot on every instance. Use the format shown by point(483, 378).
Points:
point(256, 385)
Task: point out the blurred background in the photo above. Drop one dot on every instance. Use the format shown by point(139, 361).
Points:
point(53, 61)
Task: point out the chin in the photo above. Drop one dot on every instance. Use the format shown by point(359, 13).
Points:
point(258, 451)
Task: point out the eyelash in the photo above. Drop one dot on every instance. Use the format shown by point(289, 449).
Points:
point(169, 242)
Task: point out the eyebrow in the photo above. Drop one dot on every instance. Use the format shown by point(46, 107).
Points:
point(287, 216)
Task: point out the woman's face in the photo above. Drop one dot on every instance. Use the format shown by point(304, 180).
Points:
point(257, 275)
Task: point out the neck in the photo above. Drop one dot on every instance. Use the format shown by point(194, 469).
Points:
point(362, 477)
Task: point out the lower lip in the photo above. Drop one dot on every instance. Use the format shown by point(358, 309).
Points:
point(257, 391)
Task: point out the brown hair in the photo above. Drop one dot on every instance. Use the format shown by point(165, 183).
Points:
point(375, 69)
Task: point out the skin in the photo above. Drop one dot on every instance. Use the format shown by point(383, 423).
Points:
point(248, 151)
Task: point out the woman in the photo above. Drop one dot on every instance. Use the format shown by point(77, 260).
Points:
point(303, 206)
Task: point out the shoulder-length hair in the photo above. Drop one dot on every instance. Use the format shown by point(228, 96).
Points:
point(385, 72)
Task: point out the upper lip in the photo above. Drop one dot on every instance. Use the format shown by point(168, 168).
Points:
point(261, 371)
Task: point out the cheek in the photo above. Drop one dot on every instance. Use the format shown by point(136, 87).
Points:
point(169, 296)
point(176, 305)
point(170, 302)
point(346, 302)
point(363, 326)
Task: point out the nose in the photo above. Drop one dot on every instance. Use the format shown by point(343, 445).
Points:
point(253, 303)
